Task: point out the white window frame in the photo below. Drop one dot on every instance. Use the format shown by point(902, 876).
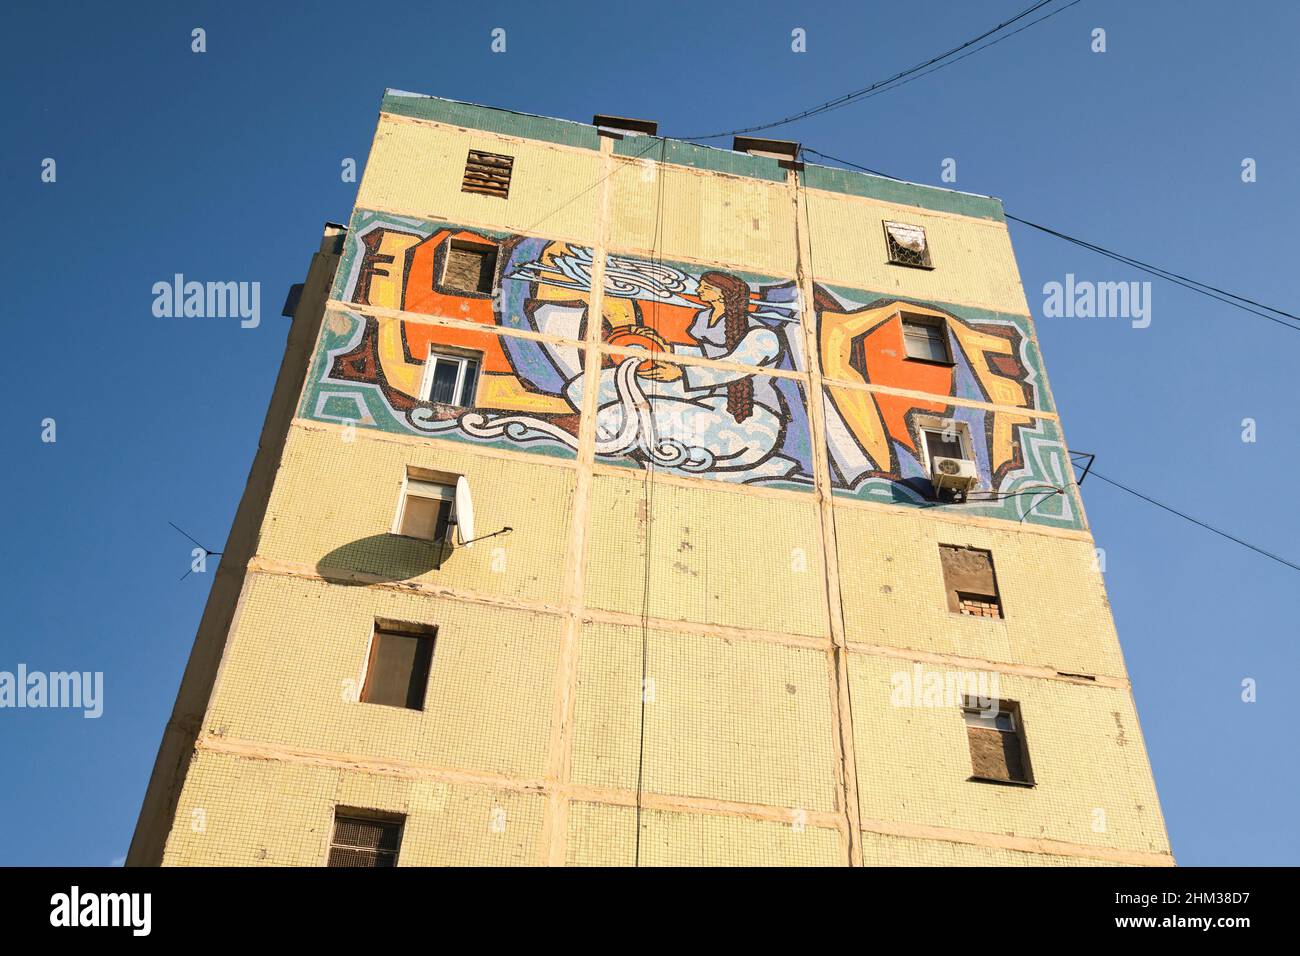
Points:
point(447, 492)
point(460, 357)
point(928, 424)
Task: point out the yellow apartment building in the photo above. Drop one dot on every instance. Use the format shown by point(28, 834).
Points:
point(624, 501)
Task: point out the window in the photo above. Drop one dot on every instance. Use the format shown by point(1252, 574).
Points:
point(943, 439)
point(469, 267)
point(925, 339)
point(487, 173)
point(365, 838)
point(907, 245)
point(426, 506)
point(969, 581)
point(997, 744)
point(450, 378)
point(397, 672)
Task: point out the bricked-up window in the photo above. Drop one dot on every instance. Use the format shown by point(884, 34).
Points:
point(907, 245)
point(469, 267)
point(969, 581)
point(997, 741)
point(487, 173)
point(397, 672)
point(925, 339)
point(365, 839)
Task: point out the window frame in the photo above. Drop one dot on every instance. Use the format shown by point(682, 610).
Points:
point(927, 424)
point(365, 815)
point(995, 598)
point(936, 322)
point(1011, 709)
point(487, 246)
point(891, 243)
point(427, 632)
point(446, 482)
point(451, 354)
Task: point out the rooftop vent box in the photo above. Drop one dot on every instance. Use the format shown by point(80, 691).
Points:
point(782, 149)
point(624, 125)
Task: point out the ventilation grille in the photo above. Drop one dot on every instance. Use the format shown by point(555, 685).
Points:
point(907, 245)
point(365, 843)
point(487, 173)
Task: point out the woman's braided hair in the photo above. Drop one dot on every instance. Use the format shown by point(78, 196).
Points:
point(735, 316)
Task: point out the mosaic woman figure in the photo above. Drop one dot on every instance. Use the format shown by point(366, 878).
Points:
point(700, 418)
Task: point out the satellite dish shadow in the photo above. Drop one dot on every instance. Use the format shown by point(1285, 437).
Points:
point(383, 557)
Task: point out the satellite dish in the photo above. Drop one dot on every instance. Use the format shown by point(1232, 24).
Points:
point(464, 511)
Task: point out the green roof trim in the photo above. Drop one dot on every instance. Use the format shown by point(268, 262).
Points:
point(681, 153)
point(491, 119)
point(853, 183)
point(678, 152)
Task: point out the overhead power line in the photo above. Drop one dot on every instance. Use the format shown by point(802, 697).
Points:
point(905, 76)
point(206, 551)
point(1222, 295)
point(1254, 307)
point(1197, 521)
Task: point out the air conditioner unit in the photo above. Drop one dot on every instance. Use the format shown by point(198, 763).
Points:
point(953, 474)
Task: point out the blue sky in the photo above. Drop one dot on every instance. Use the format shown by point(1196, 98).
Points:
point(224, 165)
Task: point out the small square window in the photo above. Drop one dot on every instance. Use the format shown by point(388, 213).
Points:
point(450, 378)
point(425, 509)
point(907, 245)
point(469, 268)
point(925, 339)
point(397, 671)
point(365, 838)
point(487, 174)
point(969, 581)
point(997, 742)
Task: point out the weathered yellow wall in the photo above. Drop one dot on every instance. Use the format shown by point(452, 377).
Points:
point(416, 167)
point(975, 264)
point(738, 720)
point(702, 216)
point(603, 836)
point(1053, 600)
point(298, 651)
point(241, 812)
point(1085, 750)
point(335, 500)
point(880, 849)
point(716, 557)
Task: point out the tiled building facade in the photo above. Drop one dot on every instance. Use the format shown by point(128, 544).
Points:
point(810, 583)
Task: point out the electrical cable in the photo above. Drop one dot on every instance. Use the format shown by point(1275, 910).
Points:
point(801, 193)
point(1197, 521)
point(582, 192)
point(902, 75)
point(648, 504)
point(1244, 303)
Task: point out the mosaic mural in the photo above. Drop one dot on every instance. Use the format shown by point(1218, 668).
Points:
point(729, 424)
point(874, 437)
point(690, 419)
